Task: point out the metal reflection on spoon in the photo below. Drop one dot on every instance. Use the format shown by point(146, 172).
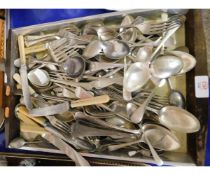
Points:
point(136, 76)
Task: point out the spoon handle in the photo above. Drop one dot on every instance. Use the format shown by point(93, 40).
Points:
point(169, 84)
point(138, 114)
point(168, 35)
point(119, 146)
point(126, 94)
point(154, 153)
point(80, 115)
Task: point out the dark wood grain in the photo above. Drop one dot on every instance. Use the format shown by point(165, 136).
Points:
point(195, 41)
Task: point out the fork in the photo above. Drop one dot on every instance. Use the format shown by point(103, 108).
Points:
point(151, 28)
point(62, 48)
point(61, 125)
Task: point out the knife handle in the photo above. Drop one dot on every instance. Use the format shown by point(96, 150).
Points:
point(21, 49)
point(35, 49)
point(17, 78)
point(40, 120)
point(32, 129)
point(90, 101)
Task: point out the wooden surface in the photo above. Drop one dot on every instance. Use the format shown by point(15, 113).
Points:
point(1, 52)
point(196, 42)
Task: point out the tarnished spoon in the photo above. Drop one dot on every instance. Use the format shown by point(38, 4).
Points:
point(92, 49)
point(19, 142)
point(39, 77)
point(176, 98)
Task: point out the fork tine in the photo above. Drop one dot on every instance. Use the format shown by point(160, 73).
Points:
point(63, 126)
point(157, 31)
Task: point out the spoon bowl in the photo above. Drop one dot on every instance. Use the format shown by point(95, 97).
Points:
point(178, 119)
point(166, 66)
point(136, 76)
point(115, 49)
point(39, 77)
point(74, 66)
point(188, 60)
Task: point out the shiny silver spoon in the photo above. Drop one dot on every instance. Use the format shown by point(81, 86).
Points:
point(92, 49)
point(188, 60)
point(177, 119)
point(136, 76)
point(115, 49)
point(166, 66)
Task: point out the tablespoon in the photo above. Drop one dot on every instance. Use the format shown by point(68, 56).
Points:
point(188, 60)
point(19, 142)
point(160, 137)
point(115, 49)
point(143, 54)
point(177, 119)
point(166, 66)
point(136, 76)
point(92, 49)
point(129, 34)
point(39, 77)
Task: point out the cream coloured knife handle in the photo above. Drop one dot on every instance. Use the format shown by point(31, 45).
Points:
point(90, 101)
point(17, 78)
point(21, 49)
point(35, 49)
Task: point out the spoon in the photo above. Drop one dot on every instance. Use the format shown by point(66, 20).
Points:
point(130, 108)
point(176, 98)
point(136, 76)
point(19, 142)
point(92, 49)
point(188, 60)
point(166, 66)
point(39, 77)
point(74, 66)
point(115, 49)
point(161, 138)
point(129, 34)
point(177, 119)
point(143, 54)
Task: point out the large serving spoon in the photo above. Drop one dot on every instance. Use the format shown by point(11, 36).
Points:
point(177, 119)
point(166, 66)
point(136, 76)
point(188, 60)
point(155, 136)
